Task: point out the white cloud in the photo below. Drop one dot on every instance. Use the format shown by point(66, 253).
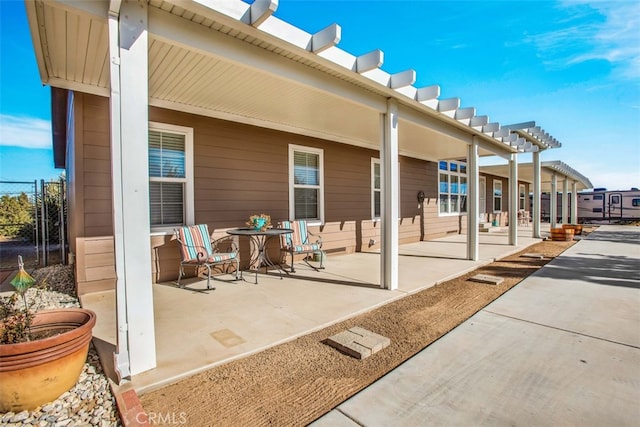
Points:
point(595, 31)
point(27, 132)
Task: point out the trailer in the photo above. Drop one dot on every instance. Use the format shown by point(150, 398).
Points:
point(597, 205)
point(609, 205)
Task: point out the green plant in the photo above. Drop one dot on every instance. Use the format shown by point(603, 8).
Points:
point(17, 316)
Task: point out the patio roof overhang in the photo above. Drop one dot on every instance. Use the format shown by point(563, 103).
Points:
point(235, 61)
point(547, 169)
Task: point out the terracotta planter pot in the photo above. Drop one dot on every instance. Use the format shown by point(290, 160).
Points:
point(36, 372)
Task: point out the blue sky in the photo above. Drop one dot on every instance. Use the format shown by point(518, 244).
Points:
point(573, 67)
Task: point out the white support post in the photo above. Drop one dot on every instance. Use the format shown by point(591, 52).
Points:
point(390, 199)
point(513, 200)
point(553, 201)
point(473, 201)
point(536, 195)
point(565, 201)
point(129, 164)
point(574, 202)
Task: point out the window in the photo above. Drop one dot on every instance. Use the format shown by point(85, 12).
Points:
point(482, 186)
point(376, 188)
point(452, 187)
point(497, 195)
point(615, 199)
point(306, 183)
point(170, 176)
point(521, 190)
point(635, 203)
point(598, 197)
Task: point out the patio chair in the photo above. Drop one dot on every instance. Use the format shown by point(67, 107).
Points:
point(197, 250)
point(523, 217)
point(298, 243)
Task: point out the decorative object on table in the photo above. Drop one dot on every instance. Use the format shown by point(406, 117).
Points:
point(197, 249)
point(259, 222)
point(299, 242)
point(41, 353)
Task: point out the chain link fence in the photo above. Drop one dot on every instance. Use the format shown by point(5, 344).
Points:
point(32, 223)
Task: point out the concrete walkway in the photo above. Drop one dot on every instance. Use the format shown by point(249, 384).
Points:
point(561, 348)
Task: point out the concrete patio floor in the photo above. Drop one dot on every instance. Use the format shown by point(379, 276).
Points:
point(196, 331)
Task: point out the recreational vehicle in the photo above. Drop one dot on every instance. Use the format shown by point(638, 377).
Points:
point(609, 205)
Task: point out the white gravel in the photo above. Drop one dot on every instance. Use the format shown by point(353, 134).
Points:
point(90, 401)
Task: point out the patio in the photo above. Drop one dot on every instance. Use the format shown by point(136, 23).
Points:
point(196, 330)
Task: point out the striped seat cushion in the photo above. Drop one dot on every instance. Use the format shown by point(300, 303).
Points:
point(305, 248)
point(195, 240)
point(222, 256)
point(215, 258)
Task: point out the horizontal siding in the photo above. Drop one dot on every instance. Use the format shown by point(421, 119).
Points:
point(96, 164)
point(95, 264)
point(240, 170)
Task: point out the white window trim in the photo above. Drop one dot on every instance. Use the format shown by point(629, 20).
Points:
point(449, 175)
point(482, 189)
point(375, 161)
point(494, 197)
point(189, 213)
point(522, 197)
point(292, 149)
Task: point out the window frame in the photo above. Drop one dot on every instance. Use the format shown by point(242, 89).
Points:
point(293, 148)
point(455, 171)
point(188, 202)
point(374, 190)
point(482, 194)
point(497, 181)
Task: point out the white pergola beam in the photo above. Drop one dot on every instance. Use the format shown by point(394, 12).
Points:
point(491, 127)
point(520, 126)
point(260, 10)
point(448, 104)
point(501, 133)
point(428, 96)
point(402, 79)
point(512, 137)
point(479, 121)
point(326, 38)
point(369, 61)
point(465, 113)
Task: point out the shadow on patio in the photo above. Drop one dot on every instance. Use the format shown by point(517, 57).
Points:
point(198, 330)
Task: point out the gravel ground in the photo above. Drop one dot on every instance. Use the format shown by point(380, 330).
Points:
point(90, 401)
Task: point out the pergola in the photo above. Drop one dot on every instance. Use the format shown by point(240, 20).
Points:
point(232, 60)
point(547, 175)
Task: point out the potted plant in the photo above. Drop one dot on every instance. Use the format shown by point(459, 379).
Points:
point(259, 222)
point(42, 353)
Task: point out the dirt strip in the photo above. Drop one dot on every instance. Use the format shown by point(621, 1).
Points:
point(296, 382)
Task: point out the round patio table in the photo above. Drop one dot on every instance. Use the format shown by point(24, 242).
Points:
point(259, 255)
